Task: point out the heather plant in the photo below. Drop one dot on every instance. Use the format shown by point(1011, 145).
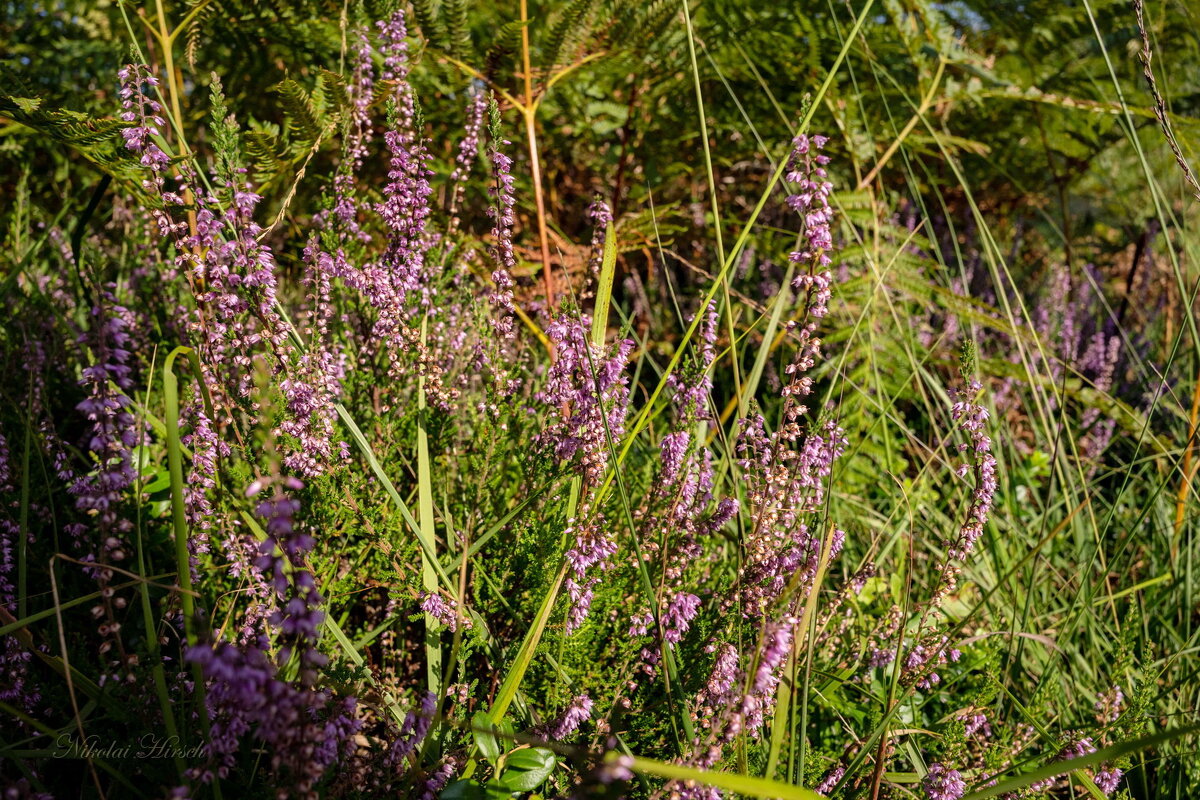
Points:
point(445, 401)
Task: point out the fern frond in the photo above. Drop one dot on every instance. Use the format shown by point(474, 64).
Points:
point(304, 124)
point(506, 43)
point(458, 34)
point(426, 14)
point(568, 28)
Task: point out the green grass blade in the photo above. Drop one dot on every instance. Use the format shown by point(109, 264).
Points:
point(608, 268)
point(1105, 754)
point(429, 576)
point(745, 785)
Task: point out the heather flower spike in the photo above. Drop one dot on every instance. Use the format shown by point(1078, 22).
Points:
point(503, 217)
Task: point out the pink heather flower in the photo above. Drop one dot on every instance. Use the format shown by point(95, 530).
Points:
point(112, 435)
point(587, 394)
point(719, 692)
point(639, 624)
point(785, 473)
point(468, 147)
point(692, 387)
point(302, 731)
point(146, 114)
point(785, 485)
point(393, 45)
point(615, 769)
point(806, 171)
point(359, 90)
point(1077, 748)
point(587, 391)
point(600, 215)
point(975, 723)
point(831, 780)
point(940, 783)
point(1109, 705)
point(414, 729)
point(578, 712)
point(438, 779)
point(1107, 780)
point(972, 417)
point(680, 612)
point(445, 612)
point(16, 688)
point(674, 446)
point(580, 594)
point(405, 211)
point(502, 212)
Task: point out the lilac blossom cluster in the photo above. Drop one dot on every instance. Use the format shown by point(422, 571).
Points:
point(102, 492)
point(16, 688)
point(304, 730)
point(233, 274)
point(587, 392)
point(941, 783)
point(677, 517)
point(112, 434)
point(601, 216)
point(933, 649)
point(785, 473)
point(576, 713)
point(502, 212)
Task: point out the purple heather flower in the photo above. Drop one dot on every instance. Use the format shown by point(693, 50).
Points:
point(693, 387)
point(401, 273)
point(437, 780)
point(975, 724)
point(806, 171)
point(580, 594)
point(1107, 780)
point(445, 612)
point(972, 417)
point(940, 783)
point(785, 473)
point(578, 712)
point(587, 390)
point(414, 729)
point(304, 734)
point(719, 692)
point(600, 215)
point(831, 780)
point(146, 114)
point(674, 446)
point(615, 769)
point(359, 90)
point(468, 147)
point(1109, 705)
point(680, 612)
point(15, 687)
point(112, 434)
point(1077, 748)
point(502, 212)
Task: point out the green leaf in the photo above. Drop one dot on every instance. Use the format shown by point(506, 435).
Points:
point(464, 790)
point(485, 739)
point(528, 768)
